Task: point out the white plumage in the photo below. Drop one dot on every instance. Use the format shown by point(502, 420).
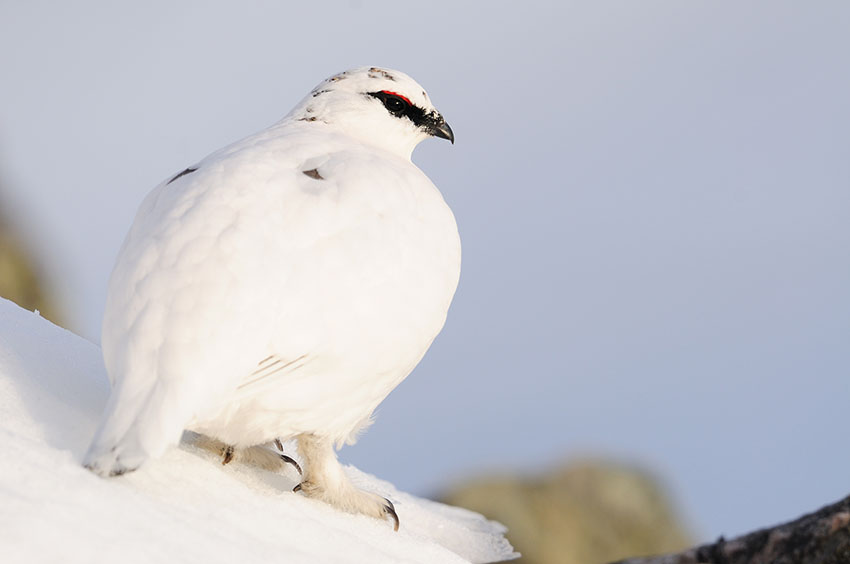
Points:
point(283, 286)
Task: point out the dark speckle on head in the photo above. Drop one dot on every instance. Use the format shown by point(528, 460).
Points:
point(310, 109)
point(319, 92)
point(307, 119)
point(375, 72)
point(341, 76)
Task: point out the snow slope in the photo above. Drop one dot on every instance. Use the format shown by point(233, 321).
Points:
point(186, 506)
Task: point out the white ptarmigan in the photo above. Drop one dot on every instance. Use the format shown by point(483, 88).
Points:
point(283, 286)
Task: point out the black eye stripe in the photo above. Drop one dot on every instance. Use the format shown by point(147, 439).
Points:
point(399, 106)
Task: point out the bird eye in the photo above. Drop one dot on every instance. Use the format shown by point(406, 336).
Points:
point(394, 104)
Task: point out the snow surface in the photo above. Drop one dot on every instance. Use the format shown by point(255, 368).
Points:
point(186, 506)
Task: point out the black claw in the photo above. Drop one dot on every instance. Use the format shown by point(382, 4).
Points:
point(228, 455)
point(278, 444)
point(290, 460)
point(389, 509)
point(296, 489)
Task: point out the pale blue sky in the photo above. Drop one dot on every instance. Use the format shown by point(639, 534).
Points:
point(654, 202)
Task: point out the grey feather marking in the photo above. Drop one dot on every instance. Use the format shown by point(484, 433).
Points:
point(271, 366)
point(313, 173)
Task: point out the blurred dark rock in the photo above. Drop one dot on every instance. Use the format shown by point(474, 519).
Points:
point(583, 513)
point(820, 537)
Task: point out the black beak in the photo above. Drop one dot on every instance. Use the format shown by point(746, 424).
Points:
point(437, 127)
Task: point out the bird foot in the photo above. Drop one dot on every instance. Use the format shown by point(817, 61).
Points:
point(259, 456)
point(326, 480)
point(352, 500)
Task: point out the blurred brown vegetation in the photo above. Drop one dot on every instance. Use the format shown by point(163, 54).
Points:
point(582, 513)
point(20, 279)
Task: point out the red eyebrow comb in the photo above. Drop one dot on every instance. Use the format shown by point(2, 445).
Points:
point(405, 98)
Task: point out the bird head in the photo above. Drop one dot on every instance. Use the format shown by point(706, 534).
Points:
point(377, 106)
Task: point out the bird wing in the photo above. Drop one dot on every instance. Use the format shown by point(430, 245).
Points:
point(192, 299)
